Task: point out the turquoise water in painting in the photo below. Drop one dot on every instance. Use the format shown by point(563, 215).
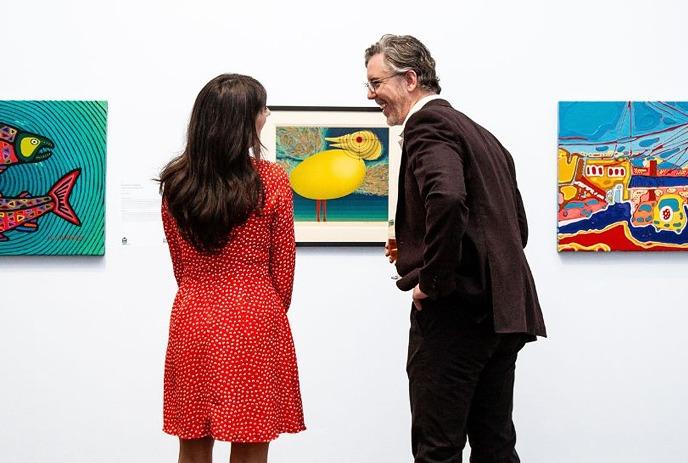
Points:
point(353, 208)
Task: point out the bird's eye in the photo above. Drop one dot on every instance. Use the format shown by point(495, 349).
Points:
point(34, 141)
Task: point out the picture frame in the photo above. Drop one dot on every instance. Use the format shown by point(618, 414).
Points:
point(343, 165)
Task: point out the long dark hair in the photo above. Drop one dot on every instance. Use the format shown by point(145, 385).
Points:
point(213, 186)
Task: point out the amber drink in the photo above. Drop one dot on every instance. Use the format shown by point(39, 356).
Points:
point(392, 245)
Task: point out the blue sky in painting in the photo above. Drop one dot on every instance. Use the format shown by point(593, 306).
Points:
point(643, 129)
point(603, 121)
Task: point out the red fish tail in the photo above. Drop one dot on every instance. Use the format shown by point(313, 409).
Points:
point(60, 194)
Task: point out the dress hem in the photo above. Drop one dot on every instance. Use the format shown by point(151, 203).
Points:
point(230, 438)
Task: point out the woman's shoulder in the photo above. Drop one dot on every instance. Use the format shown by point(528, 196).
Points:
point(271, 172)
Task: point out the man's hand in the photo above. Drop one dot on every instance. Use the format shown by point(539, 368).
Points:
point(388, 253)
point(418, 297)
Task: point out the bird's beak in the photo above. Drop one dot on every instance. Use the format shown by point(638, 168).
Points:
point(334, 142)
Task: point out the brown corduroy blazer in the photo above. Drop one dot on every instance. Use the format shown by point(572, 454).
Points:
point(460, 223)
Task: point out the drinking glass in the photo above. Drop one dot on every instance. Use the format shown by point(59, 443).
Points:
point(392, 245)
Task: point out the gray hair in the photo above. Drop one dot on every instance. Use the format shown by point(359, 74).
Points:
point(404, 53)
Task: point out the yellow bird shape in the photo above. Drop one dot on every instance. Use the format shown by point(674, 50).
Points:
point(335, 173)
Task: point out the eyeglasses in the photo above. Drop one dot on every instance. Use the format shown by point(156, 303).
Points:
point(374, 85)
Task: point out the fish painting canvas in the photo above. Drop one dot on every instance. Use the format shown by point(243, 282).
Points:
point(52, 177)
point(623, 176)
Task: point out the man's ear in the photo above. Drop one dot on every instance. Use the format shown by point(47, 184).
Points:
point(411, 80)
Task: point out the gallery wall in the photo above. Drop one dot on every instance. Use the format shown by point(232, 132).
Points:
point(82, 339)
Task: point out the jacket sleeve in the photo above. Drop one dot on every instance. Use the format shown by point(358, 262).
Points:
point(520, 210)
point(522, 219)
point(282, 244)
point(172, 237)
point(434, 156)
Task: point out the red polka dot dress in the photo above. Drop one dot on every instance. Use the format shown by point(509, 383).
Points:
point(230, 369)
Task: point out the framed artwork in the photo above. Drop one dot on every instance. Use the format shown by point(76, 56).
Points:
point(52, 177)
point(623, 176)
point(343, 167)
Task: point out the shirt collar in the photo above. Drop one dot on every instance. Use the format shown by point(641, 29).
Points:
point(414, 109)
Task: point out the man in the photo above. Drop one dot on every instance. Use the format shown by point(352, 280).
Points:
point(460, 230)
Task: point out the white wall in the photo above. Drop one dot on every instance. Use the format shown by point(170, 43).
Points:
point(82, 340)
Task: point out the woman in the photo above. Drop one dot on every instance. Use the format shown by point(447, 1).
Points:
point(230, 369)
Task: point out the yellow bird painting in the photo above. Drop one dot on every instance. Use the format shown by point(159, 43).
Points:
point(336, 172)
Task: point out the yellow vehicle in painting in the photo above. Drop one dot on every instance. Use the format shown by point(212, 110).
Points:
point(669, 213)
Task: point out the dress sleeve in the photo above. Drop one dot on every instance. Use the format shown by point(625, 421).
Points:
point(282, 244)
point(172, 237)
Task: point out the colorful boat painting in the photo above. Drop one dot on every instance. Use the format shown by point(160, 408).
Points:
point(623, 176)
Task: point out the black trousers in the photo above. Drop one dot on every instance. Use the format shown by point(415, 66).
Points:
point(461, 383)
